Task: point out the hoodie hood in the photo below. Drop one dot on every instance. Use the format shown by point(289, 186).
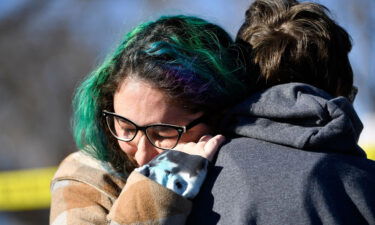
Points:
point(299, 116)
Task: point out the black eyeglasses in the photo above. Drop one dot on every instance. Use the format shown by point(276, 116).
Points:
point(162, 136)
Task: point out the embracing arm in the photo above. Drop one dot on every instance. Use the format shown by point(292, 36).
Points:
point(141, 200)
point(89, 195)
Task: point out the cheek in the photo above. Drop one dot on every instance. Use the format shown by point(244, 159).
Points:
point(127, 148)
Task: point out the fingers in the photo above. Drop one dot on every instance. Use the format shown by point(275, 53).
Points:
point(205, 138)
point(203, 141)
point(206, 147)
point(212, 146)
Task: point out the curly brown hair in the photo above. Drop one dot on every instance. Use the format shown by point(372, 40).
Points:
point(288, 41)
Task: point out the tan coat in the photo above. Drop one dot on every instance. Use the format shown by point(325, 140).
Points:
point(88, 191)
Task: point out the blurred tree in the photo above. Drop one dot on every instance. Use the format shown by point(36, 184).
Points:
point(39, 67)
point(364, 20)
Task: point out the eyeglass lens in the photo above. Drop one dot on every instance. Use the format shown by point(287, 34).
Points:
point(162, 136)
point(159, 135)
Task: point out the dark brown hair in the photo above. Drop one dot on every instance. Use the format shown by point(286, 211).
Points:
point(288, 41)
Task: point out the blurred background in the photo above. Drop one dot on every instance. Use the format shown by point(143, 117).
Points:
point(48, 46)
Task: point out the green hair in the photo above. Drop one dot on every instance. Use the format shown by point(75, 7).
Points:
point(195, 63)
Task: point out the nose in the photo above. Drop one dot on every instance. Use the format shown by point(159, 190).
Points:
point(145, 151)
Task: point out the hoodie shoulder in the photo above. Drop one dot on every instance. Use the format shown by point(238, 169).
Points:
point(342, 185)
point(299, 116)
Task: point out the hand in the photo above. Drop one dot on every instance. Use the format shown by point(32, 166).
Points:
point(206, 147)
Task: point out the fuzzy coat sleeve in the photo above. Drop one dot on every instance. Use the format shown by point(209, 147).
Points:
point(85, 191)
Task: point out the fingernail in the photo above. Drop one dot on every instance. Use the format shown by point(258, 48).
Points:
point(205, 138)
point(222, 137)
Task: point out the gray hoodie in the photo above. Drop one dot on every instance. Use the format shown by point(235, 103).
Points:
point(293, 159)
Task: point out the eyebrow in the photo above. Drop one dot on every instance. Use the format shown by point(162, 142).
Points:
point(145, 125)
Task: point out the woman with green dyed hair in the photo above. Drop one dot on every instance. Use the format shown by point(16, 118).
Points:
point(144, 122)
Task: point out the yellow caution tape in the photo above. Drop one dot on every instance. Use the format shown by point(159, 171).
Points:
point(370, 151)
point(25, 189)
point(29, 189)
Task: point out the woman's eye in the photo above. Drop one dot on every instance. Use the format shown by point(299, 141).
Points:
point(166, 136)
point(128, 129)
point(164, 133)
point(125, 126)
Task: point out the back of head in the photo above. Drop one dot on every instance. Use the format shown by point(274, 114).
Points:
point(290, 41)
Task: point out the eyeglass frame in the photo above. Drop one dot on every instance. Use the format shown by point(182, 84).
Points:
point(180, 129)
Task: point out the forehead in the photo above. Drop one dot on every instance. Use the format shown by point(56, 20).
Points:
point(144, 104)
